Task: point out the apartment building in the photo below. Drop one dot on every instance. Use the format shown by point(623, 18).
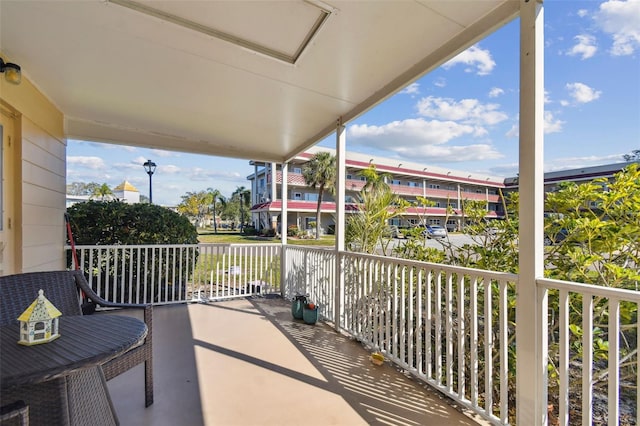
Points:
point(553, 180)
point(443, 187)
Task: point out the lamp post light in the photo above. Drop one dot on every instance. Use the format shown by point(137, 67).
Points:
point(150, 167)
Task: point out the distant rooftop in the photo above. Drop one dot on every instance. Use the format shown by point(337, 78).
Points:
point(125, 186)
point(579, 174)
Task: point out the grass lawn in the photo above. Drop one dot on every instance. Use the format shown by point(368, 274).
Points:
point(225, 237)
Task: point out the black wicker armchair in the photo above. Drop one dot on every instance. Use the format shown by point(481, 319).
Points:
point(63, 289)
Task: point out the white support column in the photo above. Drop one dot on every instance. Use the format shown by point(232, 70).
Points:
point(283, 225)
point(254, 185)
point(531, 319)
point(341, 141)
point(274, 187)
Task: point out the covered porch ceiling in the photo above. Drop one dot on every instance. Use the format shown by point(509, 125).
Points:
point(260, 80)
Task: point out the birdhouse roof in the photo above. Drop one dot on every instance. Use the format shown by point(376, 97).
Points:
point(40, 310)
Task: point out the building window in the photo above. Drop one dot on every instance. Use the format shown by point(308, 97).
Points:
point(297, 196)
point(434, 221)
point(311, 197)
point(395, 182)
point(349, 177)
point(297, 170)
point(434, 186)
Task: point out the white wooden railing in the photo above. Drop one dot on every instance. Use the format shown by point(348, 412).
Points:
point(450, 327)
point(454, 328)
point(588, 352)
point(163, 274)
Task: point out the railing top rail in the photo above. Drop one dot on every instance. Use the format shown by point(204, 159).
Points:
point(595, 290)
point(505, 276)
point(308, 248)
point(108, 246)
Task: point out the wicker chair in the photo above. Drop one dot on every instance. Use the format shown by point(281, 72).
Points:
point(63, 289)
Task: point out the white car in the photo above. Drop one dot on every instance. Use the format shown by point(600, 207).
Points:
point(434, 231)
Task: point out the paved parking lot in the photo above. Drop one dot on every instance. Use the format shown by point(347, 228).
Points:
point(457, 239)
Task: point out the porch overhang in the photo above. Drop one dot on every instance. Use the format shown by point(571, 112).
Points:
point(262, 80)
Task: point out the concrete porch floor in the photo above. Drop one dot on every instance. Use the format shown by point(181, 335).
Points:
point(248, 362)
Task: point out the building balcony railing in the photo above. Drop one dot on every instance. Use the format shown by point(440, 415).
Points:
point(450, 327)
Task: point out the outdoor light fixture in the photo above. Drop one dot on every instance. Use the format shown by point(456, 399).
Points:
point(12, 72)
point(150, 167)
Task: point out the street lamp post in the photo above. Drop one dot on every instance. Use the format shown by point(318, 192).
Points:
point(150, 167)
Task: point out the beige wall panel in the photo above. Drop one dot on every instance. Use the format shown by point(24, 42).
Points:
point(43, 177)
point(32, 104)
point(41, 235)
point(33, 174)
point(43, 216)
point(45, 257)
point(44, 140)
point(34, 154)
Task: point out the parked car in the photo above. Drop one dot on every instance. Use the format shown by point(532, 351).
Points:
point(551, 238)
point(434, 231)
point(395, 232)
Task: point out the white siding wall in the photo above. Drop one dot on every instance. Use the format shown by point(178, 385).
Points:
point(43, 199)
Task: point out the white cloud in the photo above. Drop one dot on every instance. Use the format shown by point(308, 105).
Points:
point(94, 163)
point(440, 82)
point(577, 162)
point(620, 19)
point(163, 153)
point(412, 89)
point(581, 93)
point(169, 169)
point(582, 13)
point(419, 139)
point(200, 174)
point(477, 60)
point(514, 131)
point(551, 124)
point(467, 111)
point(495, 92)
point(585, 46)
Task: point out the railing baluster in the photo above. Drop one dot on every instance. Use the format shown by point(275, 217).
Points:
point(420, 321)
point(461, 337)
point(587, 359)
point(438, 329)
point(504, 353)
point(449, 331)
point(563, 367)
point(428, 350)
point(614, 362)
point(473, 307)
point(410, 324)
point(488, 348)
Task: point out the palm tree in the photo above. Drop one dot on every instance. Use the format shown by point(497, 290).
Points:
point(375, 181)
point(215, 197)
point(103, 192)
point(243, 195)
point(320, 172)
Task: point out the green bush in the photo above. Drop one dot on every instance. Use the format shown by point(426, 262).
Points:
point(117, 223)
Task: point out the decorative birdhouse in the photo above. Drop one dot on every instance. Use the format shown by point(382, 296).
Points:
point(39, 323)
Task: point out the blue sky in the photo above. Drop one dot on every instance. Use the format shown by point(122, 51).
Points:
point(463, 115)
